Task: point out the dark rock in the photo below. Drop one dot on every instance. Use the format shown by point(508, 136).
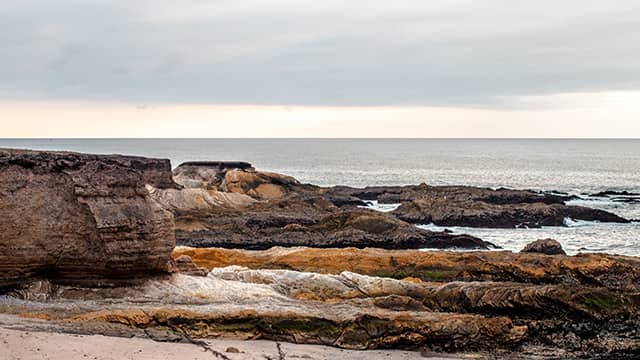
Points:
point(83, 219)
point(259, 230)
point(614, 193)
point(477, 207)
point(546, 246)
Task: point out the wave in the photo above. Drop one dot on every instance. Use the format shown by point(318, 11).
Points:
point(569, 222)
point(375, 205)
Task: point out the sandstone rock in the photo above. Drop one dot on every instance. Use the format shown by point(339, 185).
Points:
point(234, 177)
point(546, 246)
point(354, 311)
point(194, 199)
point(86, 219)
point(259, 185)
point(213, 307)
point(184, 265)
point(593, 270)
point(206, 175)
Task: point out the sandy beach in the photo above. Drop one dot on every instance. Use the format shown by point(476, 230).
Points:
point(27, 345)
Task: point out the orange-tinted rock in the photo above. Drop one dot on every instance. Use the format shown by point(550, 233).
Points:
point(616, 272)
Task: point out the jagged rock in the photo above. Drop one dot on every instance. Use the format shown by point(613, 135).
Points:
point(214, 307)
point(355, 311)
point(259, 230)
point(478, 207)
point(546, 246)
point(470, 213)
point(244, 208)
point(85, 219)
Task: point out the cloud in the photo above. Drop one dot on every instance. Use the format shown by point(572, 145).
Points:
point(306, 52)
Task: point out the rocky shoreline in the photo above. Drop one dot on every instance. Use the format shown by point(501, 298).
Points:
point(89, 246)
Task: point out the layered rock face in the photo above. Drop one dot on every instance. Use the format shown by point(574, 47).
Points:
point(570, 306)
point(83, 219)
point(599, 270)
point(355, 311)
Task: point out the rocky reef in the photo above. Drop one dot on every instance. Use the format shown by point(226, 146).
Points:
point(238, 207)
point(82, 218)
point(84, 238)
point(232, 205)
point(568, 306)
point(478, 207)
point(561, 306)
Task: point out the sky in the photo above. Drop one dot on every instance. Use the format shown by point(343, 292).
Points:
point(308, 68)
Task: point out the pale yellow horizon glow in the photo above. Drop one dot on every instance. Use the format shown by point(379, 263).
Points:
point(601, 115)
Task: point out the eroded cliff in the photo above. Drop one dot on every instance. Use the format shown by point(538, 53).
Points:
point(82, 219)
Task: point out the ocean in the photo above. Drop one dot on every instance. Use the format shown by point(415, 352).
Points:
point(578, 167)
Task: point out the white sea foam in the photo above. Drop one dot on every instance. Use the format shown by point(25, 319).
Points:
point(375, 205)
point(582, 236)
point(579, 223)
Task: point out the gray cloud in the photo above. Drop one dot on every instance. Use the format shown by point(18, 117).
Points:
point(341, 52)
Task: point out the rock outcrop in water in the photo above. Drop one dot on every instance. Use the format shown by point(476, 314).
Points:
point(82, 219)
point(545, 246)
point(222, 206)
point(478, 207)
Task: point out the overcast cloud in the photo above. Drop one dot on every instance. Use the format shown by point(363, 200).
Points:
point(310, 52)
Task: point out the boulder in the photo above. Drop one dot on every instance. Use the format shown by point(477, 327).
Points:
point(82, 219)
point(259, 185)
point(235, 177)
point(206, 174)
point(545, 246)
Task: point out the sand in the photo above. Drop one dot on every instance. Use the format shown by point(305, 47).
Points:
point(27, 345)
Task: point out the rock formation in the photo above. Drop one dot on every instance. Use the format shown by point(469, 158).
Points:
point(355, 311)
point(594, 270)
point(546, 246)
point(257, 229)
point(84, 219)
point(229, 207)
point(478, 207)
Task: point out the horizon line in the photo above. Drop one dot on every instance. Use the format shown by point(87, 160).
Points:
point(320, 138)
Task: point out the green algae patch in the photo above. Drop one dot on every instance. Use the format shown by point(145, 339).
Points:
point(439, 274)
point(602, 302)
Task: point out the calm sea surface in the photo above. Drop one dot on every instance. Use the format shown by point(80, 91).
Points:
point(578, 167)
